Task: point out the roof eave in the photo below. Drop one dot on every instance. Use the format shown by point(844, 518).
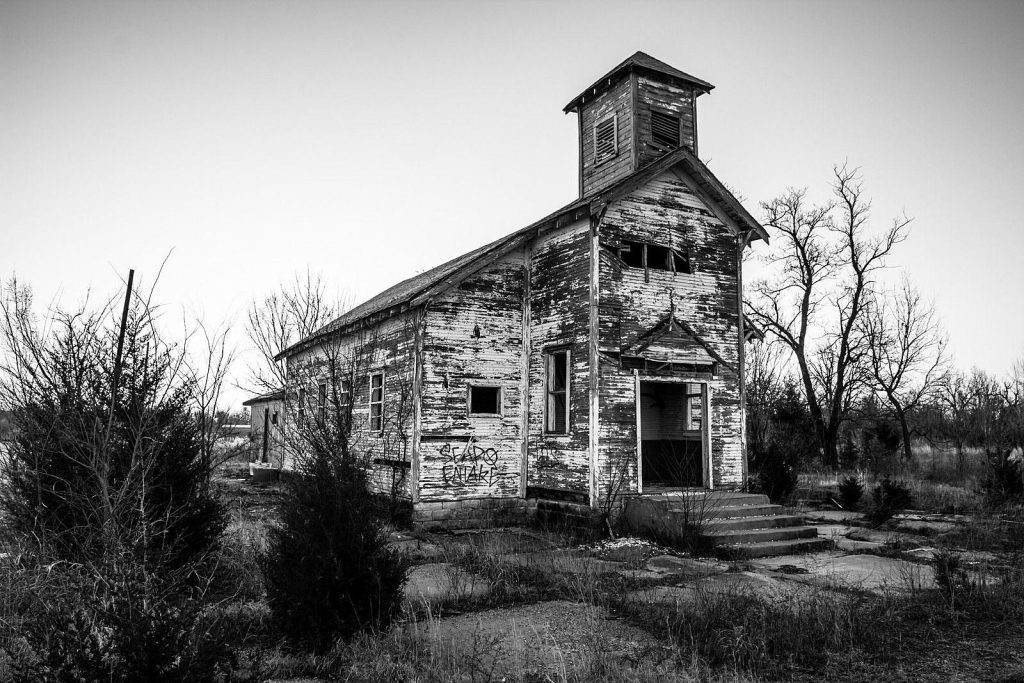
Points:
point(701, 86)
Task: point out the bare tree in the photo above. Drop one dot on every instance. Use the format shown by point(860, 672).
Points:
point(282, 318)
point(906, 352)
point(207, 365)
point(827, 265)
point(954, 397)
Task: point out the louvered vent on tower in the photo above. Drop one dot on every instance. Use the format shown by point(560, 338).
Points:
point(605, 146)
point(664, 130)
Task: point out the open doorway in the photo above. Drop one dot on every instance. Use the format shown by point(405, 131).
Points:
point(673, 420)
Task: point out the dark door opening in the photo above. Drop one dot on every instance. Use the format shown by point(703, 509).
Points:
point(672, 423)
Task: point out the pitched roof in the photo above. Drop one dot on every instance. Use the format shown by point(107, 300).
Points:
point(265, 398)
point(643, 63)
point(419, 287)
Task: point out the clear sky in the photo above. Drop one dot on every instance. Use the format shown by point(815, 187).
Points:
point(372, 140)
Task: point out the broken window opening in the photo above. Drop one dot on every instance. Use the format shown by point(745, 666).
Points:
point(605, 143)
point(654, 257)
point(557, 389)
point(484, 400)
point(377, 402)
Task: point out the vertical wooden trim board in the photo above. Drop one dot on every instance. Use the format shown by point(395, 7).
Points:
point(639, 436)
point(709, 479)
point(419, 331)
point(525, 370)
point(592, 358)
point(741, 357)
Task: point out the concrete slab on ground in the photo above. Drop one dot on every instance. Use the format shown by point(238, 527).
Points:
point(863, 572)
point(442, 581)
point(829, 516)
point(724, 583)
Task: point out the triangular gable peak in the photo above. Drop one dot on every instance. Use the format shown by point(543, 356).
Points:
point(672, 338)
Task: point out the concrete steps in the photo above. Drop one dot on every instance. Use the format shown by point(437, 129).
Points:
point(731, 525)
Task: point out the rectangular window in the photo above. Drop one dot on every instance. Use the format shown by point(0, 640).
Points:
point(664, 130)
point(377, 402)
point(345, 394)
point(302, 407)
point(557, 387)
point(273, 419)
point(484, 400)
point(321, 402)
point(606, 145)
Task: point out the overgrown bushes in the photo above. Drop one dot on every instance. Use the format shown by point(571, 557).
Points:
point(889, 498)
point(108, 503)
point(328, 570)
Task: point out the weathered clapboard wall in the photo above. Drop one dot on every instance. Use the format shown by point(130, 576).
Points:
point(671, 99)
point(616, 101)
point(558, 465)
point(667, 213)
point(388, 346)
point(473, 334)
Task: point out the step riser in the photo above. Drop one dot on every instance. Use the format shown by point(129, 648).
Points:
point(763, 535)
point(811, 545)
point(738, 523)
point(713, 499)
point(727, 512)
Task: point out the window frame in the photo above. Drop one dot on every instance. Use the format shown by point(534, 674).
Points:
point(608, 156)
point(469, 400)
point(301, 413)
point(321, 402)
point(549, 394)
point(376, 421)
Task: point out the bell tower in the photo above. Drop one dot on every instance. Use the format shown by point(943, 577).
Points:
point(634, 114)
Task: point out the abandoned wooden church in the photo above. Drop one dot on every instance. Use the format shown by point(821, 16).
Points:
point(595, 354)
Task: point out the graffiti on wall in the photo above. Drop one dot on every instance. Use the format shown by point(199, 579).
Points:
point(468, 465)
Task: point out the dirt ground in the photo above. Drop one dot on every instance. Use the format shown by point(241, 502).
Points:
point(550, 639)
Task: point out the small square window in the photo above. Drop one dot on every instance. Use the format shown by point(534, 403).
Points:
point(484, 400)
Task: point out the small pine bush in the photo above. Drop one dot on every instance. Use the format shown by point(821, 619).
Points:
point(850, 492)
point(1004, 482)
point(328, 570)
point(890, 497)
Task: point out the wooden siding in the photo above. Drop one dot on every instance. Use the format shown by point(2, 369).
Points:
point(560, 317)
point(618, 101)
point(666, 212)
point(473, 336)
point(388, 347)
point(666, 98)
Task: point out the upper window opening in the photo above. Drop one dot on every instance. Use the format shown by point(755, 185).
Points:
point(633, 254)
point(321, 401)
point(484, 400)
point(658, 257)
point(654, 257)
point(664, 129)
point(605, 143)
point(302, 407)
point(557, 388)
